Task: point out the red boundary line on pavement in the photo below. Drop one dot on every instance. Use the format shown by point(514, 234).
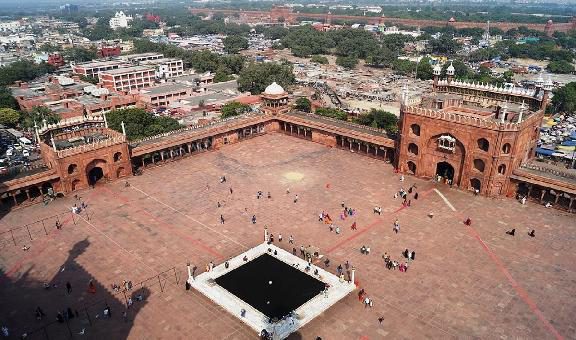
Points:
point(522, 293)
point(370, 226)
point(519, 289)
point(176, 231)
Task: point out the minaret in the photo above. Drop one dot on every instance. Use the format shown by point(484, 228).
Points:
point(521, 114)
point(450, 73)
point(503, 113)
point(436, 72)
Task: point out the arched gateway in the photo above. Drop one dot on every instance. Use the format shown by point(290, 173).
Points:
point(95, 171)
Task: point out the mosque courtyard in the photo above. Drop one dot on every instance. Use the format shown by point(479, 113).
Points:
point(465, 281)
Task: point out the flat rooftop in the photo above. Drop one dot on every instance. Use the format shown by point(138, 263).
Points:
point(466, 282)
point(128, 70)
point(103, 63)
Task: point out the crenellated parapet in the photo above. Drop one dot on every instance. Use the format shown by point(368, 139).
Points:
point(516, 91)
point(96, 120)
point(117, 139)
point(462, 118)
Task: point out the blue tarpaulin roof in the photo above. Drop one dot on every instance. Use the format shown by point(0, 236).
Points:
point(546, 152)
point(569, 143)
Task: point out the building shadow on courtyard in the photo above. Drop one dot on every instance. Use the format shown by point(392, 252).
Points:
point(82, 310)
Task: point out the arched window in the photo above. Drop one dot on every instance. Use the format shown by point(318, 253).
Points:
point(506, 148)
point(447, 143)
point(479, 165)
point(72, 168)
point(502, 169)
point(413, 149)
point(483, 144)
point(415, 129)
point(117, 156)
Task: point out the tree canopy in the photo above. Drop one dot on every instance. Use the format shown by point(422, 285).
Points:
point(257, 76)
point(560, 66)
point(6, 99)
point(347, 62)
point(139, 123)
point(235, 43)
point(9, 117)
point(303, 104)
point(233, 109)
point(379, 119)
point(564, 99)
point(24, 70)
point(332, 113)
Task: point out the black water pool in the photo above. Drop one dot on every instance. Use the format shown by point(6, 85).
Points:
point(271, 286)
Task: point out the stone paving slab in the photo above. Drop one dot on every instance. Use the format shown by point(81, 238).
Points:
point(466, 282)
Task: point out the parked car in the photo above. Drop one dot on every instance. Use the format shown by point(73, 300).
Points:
point(9, 152)
point(26, 153)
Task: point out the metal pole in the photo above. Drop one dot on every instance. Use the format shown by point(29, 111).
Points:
point(13, 239)
point(43, 226)
point(29, 234)
point(175, 275)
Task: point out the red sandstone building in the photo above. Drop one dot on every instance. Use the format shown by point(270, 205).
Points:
point(471, 135)
point(128, 78)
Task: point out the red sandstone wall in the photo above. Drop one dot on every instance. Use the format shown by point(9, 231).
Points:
point(291, 17)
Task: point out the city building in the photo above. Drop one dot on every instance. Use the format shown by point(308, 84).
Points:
point(56, 60)
point(93, 68)
point(109, 51)
point(140, 57)
point(9, 26)
point(128, 78)
point(166, 67)
point(120, 20)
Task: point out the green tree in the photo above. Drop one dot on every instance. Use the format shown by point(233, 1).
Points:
point(382, 57)
point(24, 70)
point(444, 45)
point(257, 76)
point(139, 123)
point(233, 109)
point(403, 67)
point(80, 54)
point(6, 98)
point(564, 99)
point(332, 113)
point(50, 48)
point(560, 66)
point(319, 59)
point(235, 43)
point(89, 79)
point(424, 69)
point(303, 104)
point(9, 117)
point(379, 119)
point(347, 62)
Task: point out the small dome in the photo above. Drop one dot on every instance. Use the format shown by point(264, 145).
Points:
point(274, 89)
point(452, 19)
point(437, 67)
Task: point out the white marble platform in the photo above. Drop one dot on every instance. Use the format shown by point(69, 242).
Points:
point(205, 284)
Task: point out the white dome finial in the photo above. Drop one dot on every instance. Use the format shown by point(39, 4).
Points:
point(274, 89)
point(450, 70)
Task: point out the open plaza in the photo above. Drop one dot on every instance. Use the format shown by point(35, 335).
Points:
point(472, 281)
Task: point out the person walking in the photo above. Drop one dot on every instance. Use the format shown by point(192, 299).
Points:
point(279, 237)
point(291, 240)
point(532, 233)
point(296, 198)
point(221, 219)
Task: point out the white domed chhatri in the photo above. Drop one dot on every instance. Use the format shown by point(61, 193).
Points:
point(274, 89)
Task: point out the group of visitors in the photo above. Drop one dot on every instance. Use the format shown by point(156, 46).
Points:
point(393, 264)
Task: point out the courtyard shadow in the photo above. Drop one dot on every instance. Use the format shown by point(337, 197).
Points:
point(78, 312)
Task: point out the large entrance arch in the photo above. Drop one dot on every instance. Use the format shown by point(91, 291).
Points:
point(95, 171)
point(444, 172)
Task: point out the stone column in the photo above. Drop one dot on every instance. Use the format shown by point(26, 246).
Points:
point(14, 198)
point(28, 194)
point(542, 195)
point(557, 197)
point(162, 155)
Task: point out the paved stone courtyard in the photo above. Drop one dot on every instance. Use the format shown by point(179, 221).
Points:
point(465, 282)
